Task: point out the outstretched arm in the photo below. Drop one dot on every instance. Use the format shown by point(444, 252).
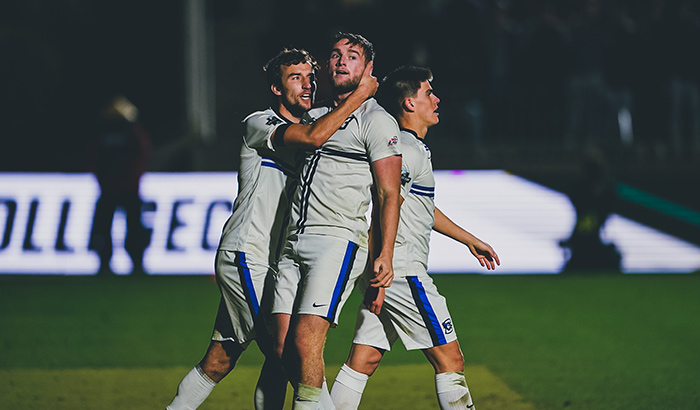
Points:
point(312, 136)
point(481, 250)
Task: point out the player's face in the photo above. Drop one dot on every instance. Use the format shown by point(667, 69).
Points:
point(425, 104)
point(345, 66)
point(297, 86)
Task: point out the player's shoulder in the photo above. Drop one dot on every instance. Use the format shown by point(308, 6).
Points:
point(411, 144)
point(372, 107)
point(267, 117)
point(371, 111)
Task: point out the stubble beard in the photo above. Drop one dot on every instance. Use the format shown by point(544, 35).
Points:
point(347, 86)
point(295, 108)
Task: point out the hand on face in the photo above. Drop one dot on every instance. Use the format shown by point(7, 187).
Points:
point(368, 83)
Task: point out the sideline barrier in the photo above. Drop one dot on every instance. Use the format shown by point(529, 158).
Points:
point(45, 222)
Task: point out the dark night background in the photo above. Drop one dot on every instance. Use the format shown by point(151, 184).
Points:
point(531, 86)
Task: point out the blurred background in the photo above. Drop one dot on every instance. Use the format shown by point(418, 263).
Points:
point(544, 89)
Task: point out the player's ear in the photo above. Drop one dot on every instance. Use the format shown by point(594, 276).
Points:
point(275, 90)
point(408, 104)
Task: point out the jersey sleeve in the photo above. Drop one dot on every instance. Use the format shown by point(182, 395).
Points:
point(382, 135)
point(259, 128)
point(407, 167)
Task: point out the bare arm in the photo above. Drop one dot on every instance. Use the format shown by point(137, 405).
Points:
point(314, 135)
point(374, 297)
point(387, 177)
point(481, 250)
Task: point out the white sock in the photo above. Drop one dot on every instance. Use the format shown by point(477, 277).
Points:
point(347, 388)
point(192, 391)
point(306, 397)
point(325, 402)
point(452, 391)
point(271, 388)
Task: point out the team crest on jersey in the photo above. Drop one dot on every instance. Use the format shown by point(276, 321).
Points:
point(447, 325)
point(393, 141)
point(272, 120)
point(405, 177)
point(347, 121)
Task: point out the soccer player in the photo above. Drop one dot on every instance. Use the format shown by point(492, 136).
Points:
point(411, 309)
point(326, 249)
point(250, 242)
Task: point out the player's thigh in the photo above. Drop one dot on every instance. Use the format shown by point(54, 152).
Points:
point(242, 283)
point(286, 281)
point(330, 267)
point(419, 313)
point(373, 330)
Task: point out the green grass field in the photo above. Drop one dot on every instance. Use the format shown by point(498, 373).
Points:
point(530, 342)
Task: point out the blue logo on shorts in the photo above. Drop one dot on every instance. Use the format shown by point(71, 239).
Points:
point(447, 325)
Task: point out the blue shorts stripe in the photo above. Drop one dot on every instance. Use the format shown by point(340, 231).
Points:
point(426, 311)
point(343, 277)
point(247, 282)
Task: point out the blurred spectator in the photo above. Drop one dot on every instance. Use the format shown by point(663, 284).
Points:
point(118, 157)
point(593, 197)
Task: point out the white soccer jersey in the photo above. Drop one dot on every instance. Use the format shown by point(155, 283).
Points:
point(334, 192)
point(266, 179)
point(418, 209)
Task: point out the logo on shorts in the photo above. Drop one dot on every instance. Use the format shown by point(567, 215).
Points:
point(393, 141)
point(319, 304)
point(447, 325)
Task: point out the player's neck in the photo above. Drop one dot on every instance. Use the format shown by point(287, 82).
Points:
point(416, 126)
point(287, 114)
point(339, 98)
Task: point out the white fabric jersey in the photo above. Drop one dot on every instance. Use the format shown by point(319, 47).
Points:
point(418, 209)
point(266, 178)
point(334, 192)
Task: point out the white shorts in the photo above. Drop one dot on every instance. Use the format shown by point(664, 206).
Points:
point(316, 275)
point(413, 311)
point(242, 283)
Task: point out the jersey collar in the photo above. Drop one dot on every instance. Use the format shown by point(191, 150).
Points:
point(415, 134)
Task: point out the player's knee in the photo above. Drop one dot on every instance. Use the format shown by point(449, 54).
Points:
point(365, 359)
point(220, 359)
point(446, 358)
point(216, 369)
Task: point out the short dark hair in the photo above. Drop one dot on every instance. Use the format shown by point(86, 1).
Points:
point(399, 84)
point(286, 57)
point(356, 40)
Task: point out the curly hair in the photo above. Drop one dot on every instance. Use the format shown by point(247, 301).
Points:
point(286, 57)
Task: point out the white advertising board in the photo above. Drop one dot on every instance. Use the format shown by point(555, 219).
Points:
point(45, 222)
